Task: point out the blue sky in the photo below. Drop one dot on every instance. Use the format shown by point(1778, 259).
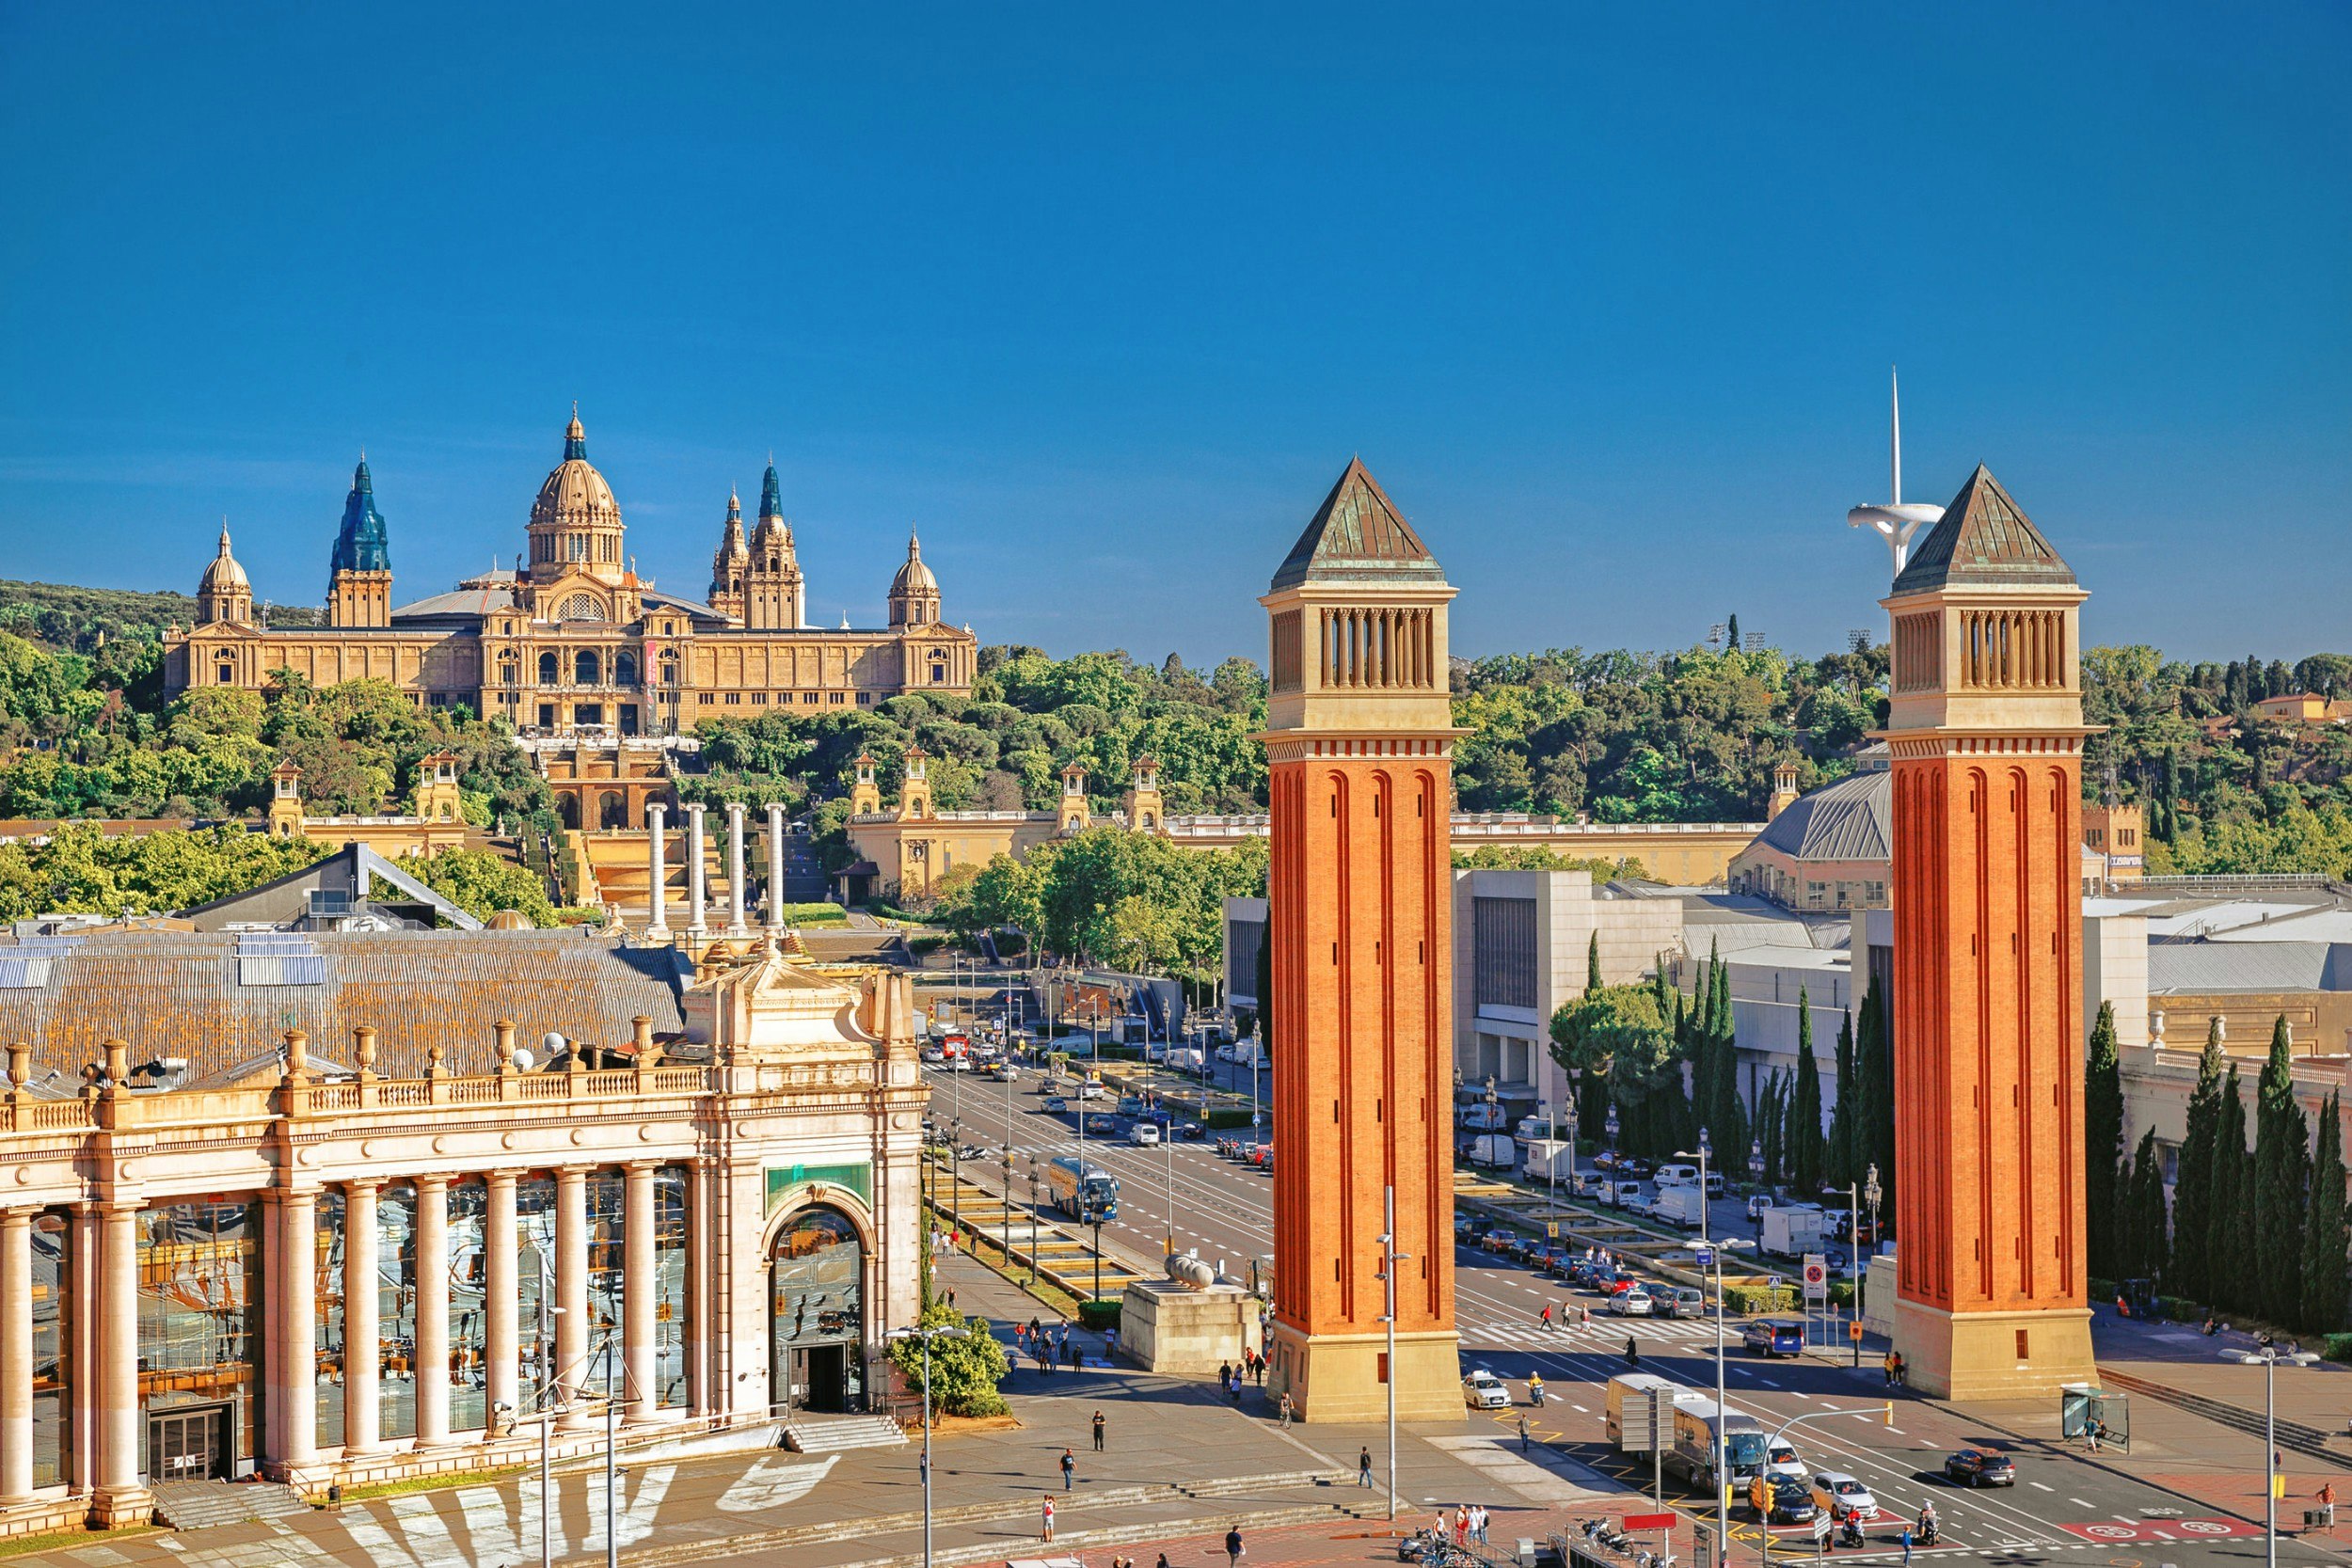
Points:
point(1102, 298)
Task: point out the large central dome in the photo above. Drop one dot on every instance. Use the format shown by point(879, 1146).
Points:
point(574, 524)
point(575, 493)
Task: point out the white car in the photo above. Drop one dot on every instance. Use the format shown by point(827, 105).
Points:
point(1144, 1134)
point(1782, 1463)
point(1631, 1301)
point(1091, 1090)
point(931, 1055)
point(1004, 1072)
point(1840, 1495)
point(1482, 1390)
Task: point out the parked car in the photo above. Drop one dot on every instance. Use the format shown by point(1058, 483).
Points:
point(1092, 1090)
point(1631, 1301)
point(1774, 1337)
point(1055, 1105)
point(1757, 1203)
point(1682, 1301)
point(1469, 1228)
point(1501, 1239)
point(1482, 1390)
point(1843, 1497)
point(1627, 1194)
point(1980, 1468)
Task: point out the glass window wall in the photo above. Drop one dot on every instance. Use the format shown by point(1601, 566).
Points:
point(669, 1270)
point(607, 1239)
point(329, 1347)
point(201, 1313)
point(396, 1314)
point(53, 1393)
point(469, 1322)
point(535, 1251)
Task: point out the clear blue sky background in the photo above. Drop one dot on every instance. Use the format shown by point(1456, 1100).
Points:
point(1104, 297)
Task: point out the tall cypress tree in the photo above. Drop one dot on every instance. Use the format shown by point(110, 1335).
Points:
point(2172, 793)
point(1769, 1125)
point(2123, 1248)
point(2229, 1230)
point(2102, 1144)
point(2283, 1175)
point(1731, 633)
point(1592, 962)
point(1805, 1105)
point(2193, 1193)
point(2324, 1273)
point(2151, 1249)
point(1874, 1118)
point(1838, 1160)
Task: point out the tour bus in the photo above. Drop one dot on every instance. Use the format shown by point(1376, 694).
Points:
point(1083, 1190)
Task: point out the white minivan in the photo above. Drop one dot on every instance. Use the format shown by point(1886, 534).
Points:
point(1677, 1176)
point(1144, 1134)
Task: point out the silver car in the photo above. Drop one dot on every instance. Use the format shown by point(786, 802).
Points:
point(1482, 1390)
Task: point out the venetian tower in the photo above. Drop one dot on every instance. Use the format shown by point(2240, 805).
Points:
point(1359, 740)
point(1986, 730)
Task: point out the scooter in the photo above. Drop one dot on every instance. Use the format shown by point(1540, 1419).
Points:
point(1850, 1533)
point(1925, 1533)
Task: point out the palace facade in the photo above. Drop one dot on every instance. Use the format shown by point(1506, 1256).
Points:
point(572, 642)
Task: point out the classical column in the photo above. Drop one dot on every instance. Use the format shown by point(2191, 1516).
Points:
point(297, 1369)
point(658, 869)
point(735, 868)
point(363, 1327)
point(571, 1290)
point(501, 1296)
point(121, 1451)
point(775, 865)
point(696, 921)
point(432, 1362)
point(637, 1327)
point(16, 1355)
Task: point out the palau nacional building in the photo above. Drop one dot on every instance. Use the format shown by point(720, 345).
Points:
point(572, 641)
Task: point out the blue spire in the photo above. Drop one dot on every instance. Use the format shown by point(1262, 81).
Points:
point(575, 438)
point(770, 494)
point(361, 544)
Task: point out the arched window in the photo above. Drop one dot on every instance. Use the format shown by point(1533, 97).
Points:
point(580, 607)
point(225, 669)
point(584, 665)
point(625, 668)
point(669, 669)
point(816, 1310)
point(508, 669)
point(550, 670)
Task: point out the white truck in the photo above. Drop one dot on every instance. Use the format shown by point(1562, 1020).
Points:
point(1628, 1401)
point(1183, 1058)
point(1493, 1151)
point(1549, 1158)
point(1685, 1206)
point(1792, 1231)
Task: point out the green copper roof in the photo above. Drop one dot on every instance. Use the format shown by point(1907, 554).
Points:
point(361, 544)
point(770, 495)
point(1982, 540)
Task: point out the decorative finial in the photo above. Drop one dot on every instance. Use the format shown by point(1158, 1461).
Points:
point(224, 538)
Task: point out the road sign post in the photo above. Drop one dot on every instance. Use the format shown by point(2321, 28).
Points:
point(1816, 1278)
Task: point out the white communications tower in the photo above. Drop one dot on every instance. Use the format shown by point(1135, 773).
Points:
point(1896, 520)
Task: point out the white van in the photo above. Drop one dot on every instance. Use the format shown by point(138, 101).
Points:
point(1677, 1176)
point(1144, 1134)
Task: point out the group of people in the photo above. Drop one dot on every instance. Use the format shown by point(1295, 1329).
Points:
point(1549, 1323)
point(1050, 1346)
point(1250, 1368)
point(1897, 1371)
point(1468, 1525)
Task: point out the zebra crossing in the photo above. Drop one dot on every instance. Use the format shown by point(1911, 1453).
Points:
point(1605, 1332)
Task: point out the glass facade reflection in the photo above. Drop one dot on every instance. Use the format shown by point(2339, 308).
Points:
point(535, 1251)
point(817, 1312)
point(468, 1269)
point(669, 1273)
point(396, 1310)
point(53, 1327)
point(200, 1292)
point(608, 1267)
point(328, 1344)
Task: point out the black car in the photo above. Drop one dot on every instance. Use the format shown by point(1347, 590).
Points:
point(1980, 1468)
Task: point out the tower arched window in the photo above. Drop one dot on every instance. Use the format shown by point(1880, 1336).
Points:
point(551, 669)
point(225, 669)
point(669, 669)
point(584, 665)
point(625, 668)
point(508, 669)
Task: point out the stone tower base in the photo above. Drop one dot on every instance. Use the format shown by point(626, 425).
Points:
point(1336, 1377)
point(1974, 1356)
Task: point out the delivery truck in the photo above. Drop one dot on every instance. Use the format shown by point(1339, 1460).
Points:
point(1549, 1159)
point(1792, 1231)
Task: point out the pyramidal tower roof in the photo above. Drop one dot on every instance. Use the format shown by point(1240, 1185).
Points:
point(1358, 536)
point(1983, 540)
point(770, 494)
point(360, 544)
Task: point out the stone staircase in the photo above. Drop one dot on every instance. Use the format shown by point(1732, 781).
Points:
point(833, 1433)
point(201, 1504)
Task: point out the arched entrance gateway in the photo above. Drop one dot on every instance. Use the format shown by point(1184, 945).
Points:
point(816, 1313)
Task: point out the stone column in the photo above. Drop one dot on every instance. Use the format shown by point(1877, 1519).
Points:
point(432, 1364)
point(775, 865)
point(637, 1304)
point(501, 1296)
point(735, 868)
point(657, 868)
point(16, 1355)
point(297, 1369)
point(121, 1446)
point(697, 923)
point(363, 1325)
point(571, 1290)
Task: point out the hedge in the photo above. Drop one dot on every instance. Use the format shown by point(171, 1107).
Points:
point(2338, 1348)
point(1226, 1115)
point(1097, 1315)
point(1759, 1298)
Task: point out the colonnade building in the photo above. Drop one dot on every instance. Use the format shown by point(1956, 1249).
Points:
point(573, 642)
point(555, 1172)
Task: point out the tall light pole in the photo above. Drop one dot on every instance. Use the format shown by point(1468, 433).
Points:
point(1871, 1193)
point(1853, 1220)
point(1722, 1449)
point(955, 1172)
point(1008, 1205)
point(548, 1393)
point(612, 1447)
point(1389, 1259)
point(2268, 1357)
point(927, 1335)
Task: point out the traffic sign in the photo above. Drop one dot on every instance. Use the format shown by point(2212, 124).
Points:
point(1702, 1256)
point(1853, 1330)
point(1551, 1229)
point(1647, 1521)
point(1816, 1276)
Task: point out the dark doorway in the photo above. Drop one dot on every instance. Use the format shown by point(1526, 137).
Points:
point(611, 812)
point(816, 1314)
point(821, 1379)
point(188, 1445)
point(628, 718)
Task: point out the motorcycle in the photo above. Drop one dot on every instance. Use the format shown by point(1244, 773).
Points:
point(1925, 1533)
point(1850, 1533)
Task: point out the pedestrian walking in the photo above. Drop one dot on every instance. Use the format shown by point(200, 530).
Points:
point(1224, 1374)
point(1363, 1455)
point(1543, 1318)
point(1632, 1351)
point(1047, 1534)
point(1256, 1372)
point(1523, 1435)
point(1233, 1549)
point(1098, 1432)
point(1286, 1409)
point(1906, 1546)
point(1069, 1468)
point(1234, 1387)
point(1110, 1344)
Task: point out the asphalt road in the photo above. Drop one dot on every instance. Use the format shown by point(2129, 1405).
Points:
point(2064, 1508)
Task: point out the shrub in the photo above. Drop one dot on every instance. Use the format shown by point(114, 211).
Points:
point(1759, 1298)
point(965, 1368)
point(2338, 1347)
point(1097, 1315)
point(1226, 1115)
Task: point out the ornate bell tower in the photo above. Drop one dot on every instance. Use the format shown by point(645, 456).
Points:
point(1986, 730)
point(1359, 741)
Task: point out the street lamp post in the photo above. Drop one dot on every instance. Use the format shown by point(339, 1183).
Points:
point(927, 1335)
point(955, 1172)
point(548, 1393)
point(1389, 1259)
point(1723, 1451)
point(1098, 1253)
point(1036, 1200)
point(2268, 1357)
point(1008, 1205)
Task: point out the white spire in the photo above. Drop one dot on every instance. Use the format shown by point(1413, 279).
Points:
point(1895, 403)
point(1896, 521)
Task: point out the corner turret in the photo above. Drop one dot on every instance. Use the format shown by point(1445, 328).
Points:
point(727, 567)
point(226, 594)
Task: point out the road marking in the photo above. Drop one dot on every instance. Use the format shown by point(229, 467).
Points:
point(2040, 1486)
point(2079, 1504)
point(1579, 1409)
point(1897, 1430)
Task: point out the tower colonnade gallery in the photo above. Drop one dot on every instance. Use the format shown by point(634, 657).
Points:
point(572, 641)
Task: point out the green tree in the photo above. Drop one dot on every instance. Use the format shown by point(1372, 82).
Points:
point(82, 871)
point(2102, 1144)
point(968, 1365)
point(1771, 1115)
point(1619, 1034)
point(2230, 1227)
point(482, 884)
point(2281, 1183)
point(2193, 1186)
point(2324, 1235)
point(2150, 1246)
point(1805, 1105)
point(1592, 962)
point(1838, 1161)
point(1874, 1118)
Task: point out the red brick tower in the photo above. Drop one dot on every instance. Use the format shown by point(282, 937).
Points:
point(1986, 728)
point(1359, 743)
